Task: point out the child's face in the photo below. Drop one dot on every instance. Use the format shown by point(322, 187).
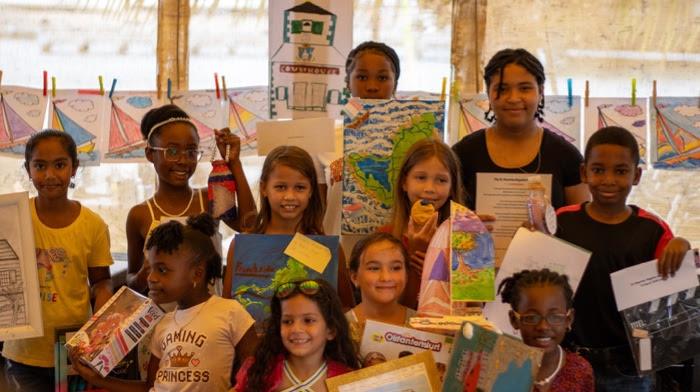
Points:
point(520, 94)
point(172, 275)
point(288, 191)
point(303, 329)
point(381, 275)
point(373, 77)
point(429, 180)
point(174, 167)
point(542, 301)
point(51, 169)
point(610, 173)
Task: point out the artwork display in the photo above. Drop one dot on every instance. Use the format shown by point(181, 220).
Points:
point(604, 112)
point(22, 112)
point(675, 133)
point(125, 142)
point(376, 138)
point(81, 114)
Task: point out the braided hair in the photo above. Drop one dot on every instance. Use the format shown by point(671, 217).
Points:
point(512, 287)
point(377, 47)
point(521, 57)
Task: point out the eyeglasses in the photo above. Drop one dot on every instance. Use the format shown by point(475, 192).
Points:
point(173, 154)
point(308, 287)
point(535, 318)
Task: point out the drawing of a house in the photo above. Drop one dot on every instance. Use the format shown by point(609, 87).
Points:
point(12, 310)
point(307, 72)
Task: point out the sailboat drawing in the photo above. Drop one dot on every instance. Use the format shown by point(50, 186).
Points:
point(630, 117)
point(84, 140)
point(125, 138)
point(15, 130)
point(242, 123)
point(677, 135)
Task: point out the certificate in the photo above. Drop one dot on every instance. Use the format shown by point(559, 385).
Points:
point(504, 195)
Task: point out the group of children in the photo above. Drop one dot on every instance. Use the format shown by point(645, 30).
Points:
point(313, 331)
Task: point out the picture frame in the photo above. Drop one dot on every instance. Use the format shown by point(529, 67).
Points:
point(20, 301)
point(415, 372)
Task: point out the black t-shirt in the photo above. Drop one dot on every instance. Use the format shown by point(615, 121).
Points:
point(556, 157)
point(640, 238)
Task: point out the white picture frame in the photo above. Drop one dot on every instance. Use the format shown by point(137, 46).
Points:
point(20, 311)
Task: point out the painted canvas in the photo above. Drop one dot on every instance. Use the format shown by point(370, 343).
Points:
point(22, 112)
point(603, 112)
point(434, 298)
point(207, 112)
point(124, 141)
point(81, 114)
point(376, 138)
point(308, 44)
point(247, 107)
point(675, 133)
point(484, 360)
point(261, 265)
point(472, 265)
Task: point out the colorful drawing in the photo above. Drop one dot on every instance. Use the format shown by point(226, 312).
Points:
point(377, 136)
point(434, 299)
point(484, 360)
point(247, 106)
point(261, 265)
point(603, 112)
point(309, 42)
point(125, 142)
point(676, 136)
point(206, 111)
point(472, 269)
point(80, 113)
point(22, 113)
point(559, 117)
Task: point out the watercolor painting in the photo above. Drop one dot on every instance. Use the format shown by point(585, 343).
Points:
point(675, 133)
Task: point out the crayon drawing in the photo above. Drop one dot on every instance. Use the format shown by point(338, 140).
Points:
point(206, 111)
point(22, 112)
point(604, 112)
point(81, 114)
point(376, 138)
point(675, 135)
point(125, 142)
point(247, 106)
point(472, 110)
point(260, 265)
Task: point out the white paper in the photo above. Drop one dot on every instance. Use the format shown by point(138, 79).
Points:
point(504, 195)
point(642, 283)
point(315, 135)
point(535, 250)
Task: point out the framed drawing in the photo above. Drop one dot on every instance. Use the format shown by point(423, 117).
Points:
point(20, 305)
point(416, 372)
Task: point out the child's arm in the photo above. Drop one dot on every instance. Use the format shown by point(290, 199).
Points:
point(418, 241)
point(345, 288)
point(114, 384)
point(672, 256)
point(138, 270)
point(100, 284)
point(246, 203)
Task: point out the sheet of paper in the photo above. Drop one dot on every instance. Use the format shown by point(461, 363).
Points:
point(315, 135)
point(536, 250)
point(309, 252)
point(642, 283)
point(504, 195)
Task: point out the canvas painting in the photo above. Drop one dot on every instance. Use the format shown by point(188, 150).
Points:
point(22, 112)
point(603, 112)
point(675, 133)
point(261, 265)
point(81, 114)
point(376, 138)
point(123, 140)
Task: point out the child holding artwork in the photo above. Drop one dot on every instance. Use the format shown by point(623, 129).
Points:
point(172, 145)
point(306, 341)
point(289, 203)
point(619, 236)
point(378, 269)
point(72, 249)
point(194, 347)
point(541, 302)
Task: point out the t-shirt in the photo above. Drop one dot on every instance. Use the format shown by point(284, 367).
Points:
point(641, 237)
point(196, 346)
point(63, 257)
point(575, 376)
point(556, 157)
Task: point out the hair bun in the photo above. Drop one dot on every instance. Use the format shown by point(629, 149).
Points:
point(203, 223)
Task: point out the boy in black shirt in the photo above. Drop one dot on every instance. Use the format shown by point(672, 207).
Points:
point(619, 236)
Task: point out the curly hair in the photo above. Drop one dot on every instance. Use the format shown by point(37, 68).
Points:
point(340, 349)
point(511, 287)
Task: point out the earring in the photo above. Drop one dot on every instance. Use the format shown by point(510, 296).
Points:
point(568, 329)
point(194, 285)
point(71, 185)
point(489, 116)
point(539, 113)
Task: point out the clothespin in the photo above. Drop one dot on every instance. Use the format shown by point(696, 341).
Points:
point(102, 85)
point(159, 91)
point(170, 90)
point(53, 87)
point(46, 84)
point(634, 92)
point(216, 83)
point(223, 85)
point(111, 90)
point(585, 96)
point(0, 78)
point(570, 91)
point(653, 93)
point(443, 90)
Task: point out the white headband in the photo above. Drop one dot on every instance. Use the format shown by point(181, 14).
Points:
point(168, 121)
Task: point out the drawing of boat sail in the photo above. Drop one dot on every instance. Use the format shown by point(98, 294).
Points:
point(677, 137)
point(21, 115)
point(124, 133)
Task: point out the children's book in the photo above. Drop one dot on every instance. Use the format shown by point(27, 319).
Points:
point(261, 265)
point(115, 329)
point(484, 360)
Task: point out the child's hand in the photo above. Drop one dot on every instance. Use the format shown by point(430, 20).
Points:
point(86, 372)
point(225, 137)
point(672, 256)
point(418, 240)
point(487, 220)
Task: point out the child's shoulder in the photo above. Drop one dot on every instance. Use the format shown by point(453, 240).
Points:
point(648, 216)
point(91, 216)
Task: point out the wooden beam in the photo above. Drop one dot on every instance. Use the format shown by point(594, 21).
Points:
point(173, 44)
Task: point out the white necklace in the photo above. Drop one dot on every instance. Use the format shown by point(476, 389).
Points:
point(549, 379)
point(191, 318)
point(175, 215)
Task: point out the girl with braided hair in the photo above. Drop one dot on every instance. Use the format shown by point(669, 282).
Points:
point(541, 302)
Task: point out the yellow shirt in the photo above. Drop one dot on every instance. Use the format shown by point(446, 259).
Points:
point(63, 258)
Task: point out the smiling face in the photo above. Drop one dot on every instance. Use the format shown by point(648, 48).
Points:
point(51, 168)
point(288, 192)
point(172, 275)
point(542, 300)
point(514, 100)
point(610, 173)
point(178, 135)
point(303, 329)
point(381, 275)
point(428, 180)
point(372, 77)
